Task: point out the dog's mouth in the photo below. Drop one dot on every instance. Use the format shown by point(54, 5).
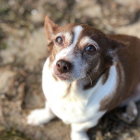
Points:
point(63, 76)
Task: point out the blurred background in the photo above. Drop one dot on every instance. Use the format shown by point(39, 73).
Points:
point(23, 51)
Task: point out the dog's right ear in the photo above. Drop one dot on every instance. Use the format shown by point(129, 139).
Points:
point(50, 27)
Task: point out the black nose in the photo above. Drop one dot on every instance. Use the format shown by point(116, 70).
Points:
point(63, 66)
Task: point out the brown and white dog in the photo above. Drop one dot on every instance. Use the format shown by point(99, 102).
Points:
point(86, 74)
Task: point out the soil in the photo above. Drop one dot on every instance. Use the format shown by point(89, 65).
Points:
point(23, 52)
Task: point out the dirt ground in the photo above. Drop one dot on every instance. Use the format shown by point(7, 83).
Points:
point(23, 51)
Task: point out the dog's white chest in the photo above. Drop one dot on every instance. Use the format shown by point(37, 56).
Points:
point(65, 105)
point(72, 110)
point(69, 111)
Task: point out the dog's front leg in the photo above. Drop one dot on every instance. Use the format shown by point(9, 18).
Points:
point(40, 116)
point(79, 131)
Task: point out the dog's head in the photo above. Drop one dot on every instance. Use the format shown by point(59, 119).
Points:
point(77, 51)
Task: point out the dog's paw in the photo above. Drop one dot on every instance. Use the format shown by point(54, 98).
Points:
point(131, 113)
point(38, 117)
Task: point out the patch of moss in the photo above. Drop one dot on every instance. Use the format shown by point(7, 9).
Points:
point(3, 45)
point(12, 135)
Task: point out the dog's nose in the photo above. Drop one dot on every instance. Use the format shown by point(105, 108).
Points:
point(63, 66)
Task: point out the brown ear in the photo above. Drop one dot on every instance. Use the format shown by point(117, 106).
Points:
point(50, 27)
point(115, 45)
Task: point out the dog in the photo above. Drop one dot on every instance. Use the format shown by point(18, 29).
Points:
point(86, 74)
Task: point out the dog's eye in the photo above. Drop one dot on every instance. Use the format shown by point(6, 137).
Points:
point(90, 48)
point(59, 40)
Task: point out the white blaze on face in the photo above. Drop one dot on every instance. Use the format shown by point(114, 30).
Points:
point(77, 33)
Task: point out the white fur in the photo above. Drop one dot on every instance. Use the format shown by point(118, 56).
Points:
point(77, 31)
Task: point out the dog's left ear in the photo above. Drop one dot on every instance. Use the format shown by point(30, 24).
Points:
point(50, 28)
point(114, 46)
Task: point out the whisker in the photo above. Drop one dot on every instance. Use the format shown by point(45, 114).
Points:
point(89, 78)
